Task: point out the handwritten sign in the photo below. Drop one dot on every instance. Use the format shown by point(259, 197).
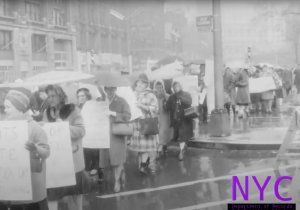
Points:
point(15, 173)
point(96, 121)
point(128, 94)
point(262, 84)
point(60, 166)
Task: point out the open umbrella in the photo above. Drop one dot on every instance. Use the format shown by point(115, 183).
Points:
point(110, 79)
point(168, 60)
point(51, 77)
point(167, 72)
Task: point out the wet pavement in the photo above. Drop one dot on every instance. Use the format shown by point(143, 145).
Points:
point(201, 181)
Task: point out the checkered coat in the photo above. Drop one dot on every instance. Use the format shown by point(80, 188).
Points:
point(139, 142)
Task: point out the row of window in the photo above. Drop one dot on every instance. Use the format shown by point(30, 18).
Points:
point(62, 48)
point(34, 11)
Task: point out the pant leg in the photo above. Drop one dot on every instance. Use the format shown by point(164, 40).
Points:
point(152, 161)
point(87, 158)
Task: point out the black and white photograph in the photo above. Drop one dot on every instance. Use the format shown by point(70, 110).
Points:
point(149, 104)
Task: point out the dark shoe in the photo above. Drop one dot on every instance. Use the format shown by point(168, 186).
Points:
point(165, 149)
point(143, 167)
point(100, 175)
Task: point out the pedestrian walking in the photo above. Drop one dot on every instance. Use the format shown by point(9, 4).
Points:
point(163, 116)
point(230, 90)
point(182, 126)
point(243, 96)
point(59, 110)
point(115, 156)
point(91, 155)
point(267, 96)
point(16, 108)
point(145, 145)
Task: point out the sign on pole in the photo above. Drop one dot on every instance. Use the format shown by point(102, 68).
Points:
point(15, 172)
point(60, 166)
point(204, 23)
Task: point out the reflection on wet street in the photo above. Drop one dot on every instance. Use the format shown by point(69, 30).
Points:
point(201, 181)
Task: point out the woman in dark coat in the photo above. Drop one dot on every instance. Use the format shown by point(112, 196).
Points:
point(115, 156)
point(182, 126)
point(59, 110)
point(243, 96)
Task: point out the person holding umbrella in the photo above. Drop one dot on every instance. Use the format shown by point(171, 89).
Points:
point(59, 110)
point(145, 145)
point(16, 106)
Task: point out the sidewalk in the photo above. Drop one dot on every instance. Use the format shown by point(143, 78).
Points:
point(259, 132)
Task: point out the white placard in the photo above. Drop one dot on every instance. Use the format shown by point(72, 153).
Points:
point(15, 172)
point(262, 84)
point(60, 164)
point(96, 124)
point(128, 94)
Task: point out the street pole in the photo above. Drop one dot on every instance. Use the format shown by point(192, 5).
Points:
point(219, 124)
point(129, 55)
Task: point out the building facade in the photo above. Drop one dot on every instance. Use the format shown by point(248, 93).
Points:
point(35, 36)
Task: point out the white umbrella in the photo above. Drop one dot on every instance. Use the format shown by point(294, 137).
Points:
point(51, 77)
point(167, 72)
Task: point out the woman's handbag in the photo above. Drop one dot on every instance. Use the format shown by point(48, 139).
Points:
point(149, 126)
point(191, 112)
point(122, 129)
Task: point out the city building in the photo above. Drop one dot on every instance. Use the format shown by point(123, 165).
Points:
point(35, 36)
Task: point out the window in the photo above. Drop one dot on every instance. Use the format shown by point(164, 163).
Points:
point(33, 10)
point(39, 47)
point(63, 53)
point(5, 40)
point(38, 43)
point(5, 8)
point(58, 17)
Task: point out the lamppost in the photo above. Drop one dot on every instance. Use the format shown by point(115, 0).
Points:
point(219, 124)
point(122, 17)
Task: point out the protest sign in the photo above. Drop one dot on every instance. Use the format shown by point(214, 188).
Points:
point(15, 173)
point(190, 85)
point(96, 121)
point(60, 166)
point(262, 84)
point(128, 94)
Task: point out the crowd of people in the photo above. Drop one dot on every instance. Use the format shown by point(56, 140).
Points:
point(166, 109)
point(50, 104)
point(239, 99)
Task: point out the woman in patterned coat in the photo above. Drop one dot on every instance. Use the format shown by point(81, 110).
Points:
point(146, 146)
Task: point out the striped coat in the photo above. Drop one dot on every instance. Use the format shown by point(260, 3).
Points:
point(139, 142)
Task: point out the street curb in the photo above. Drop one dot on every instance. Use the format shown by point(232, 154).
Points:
point(221, 144)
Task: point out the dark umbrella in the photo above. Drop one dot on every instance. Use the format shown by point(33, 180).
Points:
point(109, 79)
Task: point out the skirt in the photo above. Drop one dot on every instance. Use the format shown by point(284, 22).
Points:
point(142, 143)
point(82, 186)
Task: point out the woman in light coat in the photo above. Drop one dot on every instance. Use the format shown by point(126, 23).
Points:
point(163, 116)
point(16, 108)
point(145, 145)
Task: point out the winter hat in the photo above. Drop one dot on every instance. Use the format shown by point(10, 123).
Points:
point(19, 100)
point(143, 77)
